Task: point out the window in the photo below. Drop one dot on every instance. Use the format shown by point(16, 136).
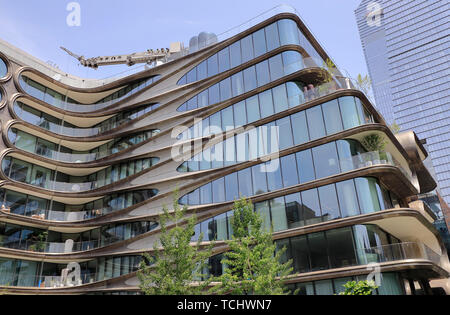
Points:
point(289, 170)
point(300, 128)
point(245, 183)
point(368, 195)
point(237, 82)
point(311, 207)
point(288, 32)
point(349, 112)
point(318, 251)
point(247, 49)
point(315, 123)
point(274, 181)
point(280, 98)
point(224, 60)
point(325, 160)
point(252, 105)
point(250, 79)
point(276, 67)
point(259, 180)
point(231, 187)
point(347, 198)
point(294, 212)
point(341, 250)
point(332, 117)
point(278, 211)
point(259, 40)
point(262, 73)
point(284, 133)
point(273, 39)
point(225, 89)
point(240, 114)
point(218, 188)
point(3, 70)
point(235, 54)
point(202, 70)
point(305, 166)
point(213, 67)
point(292, 62)
point(214, 94)
point(300, 254)
point(329, 203)
point(266, 103)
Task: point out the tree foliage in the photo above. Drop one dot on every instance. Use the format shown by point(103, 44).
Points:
point(176, 265)
point(374, 142)
point(359, 288)
point(253, 265)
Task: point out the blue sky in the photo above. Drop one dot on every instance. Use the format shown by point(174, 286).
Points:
point(119, 27)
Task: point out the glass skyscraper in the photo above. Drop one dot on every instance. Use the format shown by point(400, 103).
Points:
point(406, 44)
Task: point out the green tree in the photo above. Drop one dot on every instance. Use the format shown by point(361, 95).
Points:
point(359, 288)
point(364, 84)
point(252, 264)
point(176, 265)
point(395, 128)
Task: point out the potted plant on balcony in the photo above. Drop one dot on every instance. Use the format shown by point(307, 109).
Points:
point(375, 143)
point(39, 246)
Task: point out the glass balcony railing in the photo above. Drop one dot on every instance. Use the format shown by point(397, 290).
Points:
point(371, 159)
point(63, 216)
point(86, 132)
point(365, 256)
point(9, 279)
point(58, 247)
point(395, 252)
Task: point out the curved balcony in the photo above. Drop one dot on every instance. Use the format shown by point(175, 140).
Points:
point(46, 149)
point(263, 73)
point(15, 203)
point(61, 101)
point(107, 270)
point(38, 176)
point(57, 126)
point(69, 246)
point(309, 169)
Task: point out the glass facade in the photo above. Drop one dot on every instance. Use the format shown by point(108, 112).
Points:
point(39, 176)
point(407, 56)
point(23, 273)
point(281, 33)
point(334, 249)
point(308, 207)
point(54, 98)
point(58, 126)
point(28, 205)
point(33, 239)
point(27, 142)
point(247, 80)
point(327, 160)
point(308, 125)
point(3, 69)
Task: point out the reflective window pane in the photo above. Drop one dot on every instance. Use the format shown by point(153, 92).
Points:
point(325, 160)
point(305, 166)
point(259, 41)
point(347, 198)
point(329, 203)
point(332, 117)
point(311, 207)
point(247, 49)
point(315, 123)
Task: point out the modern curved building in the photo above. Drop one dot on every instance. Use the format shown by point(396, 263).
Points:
point(86, 167)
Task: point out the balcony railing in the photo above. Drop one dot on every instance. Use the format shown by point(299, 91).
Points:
point(395, 252)
point(59, 248)
point(365, 256)
point(371, 159)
